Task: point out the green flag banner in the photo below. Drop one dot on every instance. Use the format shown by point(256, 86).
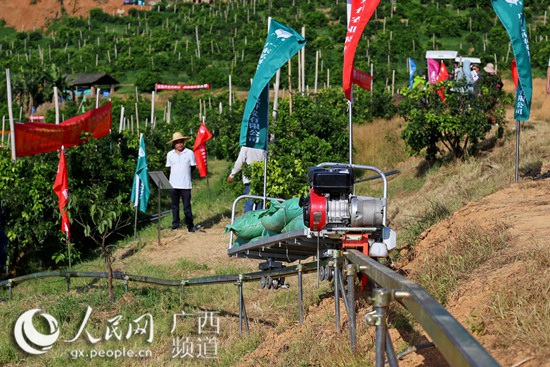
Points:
point(140, 188)
point(510, 13)
point(281, 44)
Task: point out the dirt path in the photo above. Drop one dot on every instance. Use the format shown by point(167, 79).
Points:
point(205, 246)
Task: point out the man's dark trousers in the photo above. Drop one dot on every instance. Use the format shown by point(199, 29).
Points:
point(185, 195)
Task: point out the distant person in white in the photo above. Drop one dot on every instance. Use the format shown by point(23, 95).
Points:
point(181, 162)
point(476, 73)
point(246, 155)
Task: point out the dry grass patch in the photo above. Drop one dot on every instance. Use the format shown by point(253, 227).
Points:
point(379, 144)
point(522, 308)
point(441, 271)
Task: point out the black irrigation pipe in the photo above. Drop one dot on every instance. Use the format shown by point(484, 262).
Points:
point(155, 216)
point(389, 173)
point(246, 277)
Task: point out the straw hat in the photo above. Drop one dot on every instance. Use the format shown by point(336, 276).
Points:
point(178, 136)
point(489, 68)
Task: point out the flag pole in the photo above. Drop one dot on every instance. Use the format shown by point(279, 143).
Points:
point(518, 127)
point(10, 112)
point(350, 101)
point(69, 255)
point(267, 139)
point(68, 248)
point(136, 205)
point(350, 119)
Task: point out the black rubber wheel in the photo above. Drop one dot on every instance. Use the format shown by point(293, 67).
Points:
point(269, 282)
point(321, 273)
point(262, 282)
point(329, 272)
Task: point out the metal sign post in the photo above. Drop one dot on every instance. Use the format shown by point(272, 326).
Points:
point(162, 184)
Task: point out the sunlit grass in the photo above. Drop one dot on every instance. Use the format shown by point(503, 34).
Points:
point(521, 306)
point(441, 272)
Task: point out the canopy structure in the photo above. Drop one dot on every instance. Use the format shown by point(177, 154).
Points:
point(92, 81)
point(473, 60)
point(441, 55)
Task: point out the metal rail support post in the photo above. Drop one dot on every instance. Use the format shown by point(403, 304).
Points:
point(300, 294)
point(68, 280)
point(125, 282)
point(351, 273)
point(182, 289)
point(381, 299)
point(242, 308)
point(10, 289)
point(336, 257)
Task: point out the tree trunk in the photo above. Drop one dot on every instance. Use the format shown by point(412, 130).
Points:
point(109, 265)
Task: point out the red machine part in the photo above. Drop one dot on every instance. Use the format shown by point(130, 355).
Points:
point(317, 211)
point(359, 241)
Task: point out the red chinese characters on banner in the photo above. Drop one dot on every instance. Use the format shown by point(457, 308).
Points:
point(199, 149)
point(361, 12)
point(181, 87)
point(41, 137)
point(362, 79)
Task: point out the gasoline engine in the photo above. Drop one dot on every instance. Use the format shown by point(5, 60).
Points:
point(332, 207)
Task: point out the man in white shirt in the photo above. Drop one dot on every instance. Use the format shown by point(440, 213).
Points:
point(246, 155)
point(181, 162)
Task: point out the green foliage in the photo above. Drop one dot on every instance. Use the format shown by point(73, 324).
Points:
point(460, 121)
point(145, 81)
point(315, 132)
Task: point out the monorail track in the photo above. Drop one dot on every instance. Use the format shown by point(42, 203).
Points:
point(456, 345)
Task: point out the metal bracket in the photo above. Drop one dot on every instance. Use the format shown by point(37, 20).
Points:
point(373, 318)
point(382, 297)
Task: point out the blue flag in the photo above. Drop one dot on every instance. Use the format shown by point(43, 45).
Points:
point(281, 44)
point(140, 188)
point(511, 15)
point(412, 70)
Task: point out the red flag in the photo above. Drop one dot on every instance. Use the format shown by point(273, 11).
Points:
point(61, 189)
point(515, 75)
point(361, 12)
point(43, 137)
point(203, 135)
point(362, 79)
point(443, 75)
